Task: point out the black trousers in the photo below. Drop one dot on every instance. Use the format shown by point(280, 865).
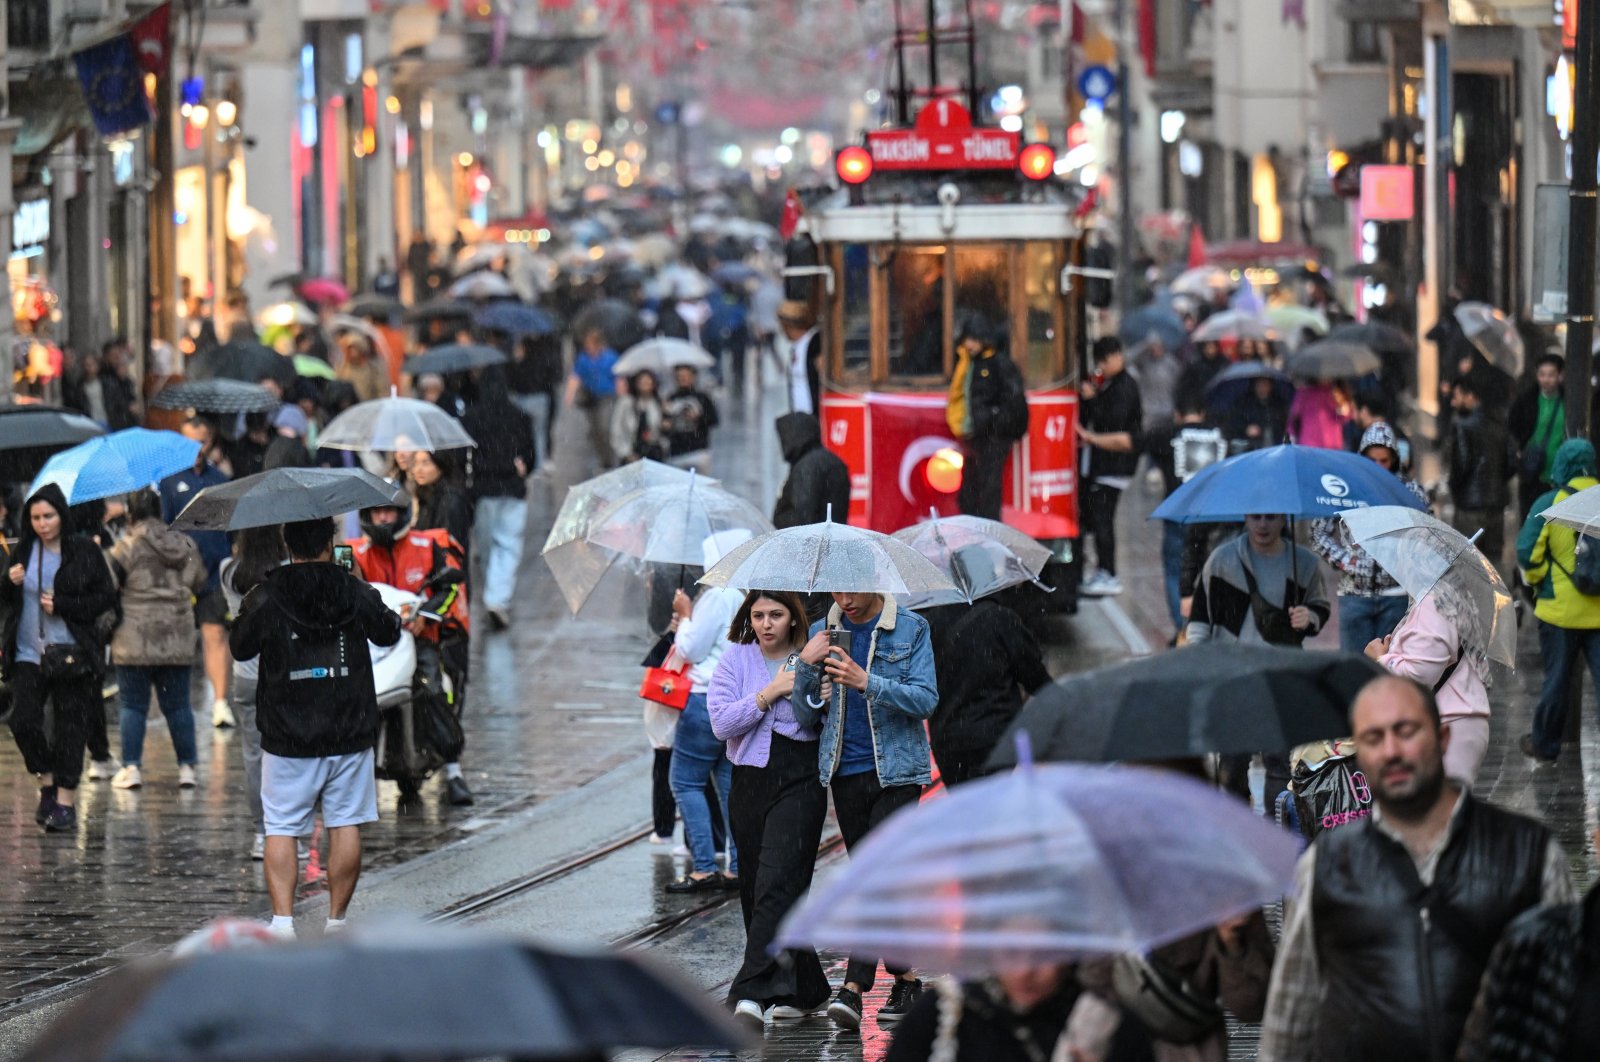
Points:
point(959, 765)
point(56, 750)
point(664, 809)
point(434, 661)
point(860, 803)
point(983, 477)
point(1100, 523)
point(777, 814)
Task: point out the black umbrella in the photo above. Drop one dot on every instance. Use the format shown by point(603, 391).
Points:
point(1375, 336)
point(397, 994)
point(441, 307)
point(217, 396)
point(1332, 359)
point(1227, 386)
point(1193, 701)
point(370, 305)
point(30, 435)
point(617, 320)
point(285, 495)
point(243, 361)
point(456, 357)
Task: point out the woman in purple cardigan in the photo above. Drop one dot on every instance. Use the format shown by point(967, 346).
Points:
point(776, 804)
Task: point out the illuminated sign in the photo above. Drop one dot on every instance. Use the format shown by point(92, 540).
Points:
point(943, 138)
point(1387, 193)
point(30, 228)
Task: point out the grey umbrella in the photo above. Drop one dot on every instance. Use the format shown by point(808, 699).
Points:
point(453, 357)
point(1332, 359)
point(217, 396)
point(285, 495)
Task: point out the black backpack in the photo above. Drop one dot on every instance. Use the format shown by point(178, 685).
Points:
point(1011, 418)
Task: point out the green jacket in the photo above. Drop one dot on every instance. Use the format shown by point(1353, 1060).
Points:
point(1556, 601)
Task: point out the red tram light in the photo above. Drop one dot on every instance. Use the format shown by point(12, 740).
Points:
point(944, 470)
point(853, 164)
point(1037, 161)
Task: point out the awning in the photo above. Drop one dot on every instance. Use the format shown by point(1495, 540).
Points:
point(534, 52)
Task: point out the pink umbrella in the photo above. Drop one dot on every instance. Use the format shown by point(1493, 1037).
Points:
point(324, 291)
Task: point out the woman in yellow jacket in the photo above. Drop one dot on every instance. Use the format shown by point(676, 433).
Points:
point(1569, 620)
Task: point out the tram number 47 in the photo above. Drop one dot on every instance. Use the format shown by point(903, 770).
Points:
point(1055, 428)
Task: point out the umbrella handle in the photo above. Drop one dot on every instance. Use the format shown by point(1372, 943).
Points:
point(1024, 742)
point(1473, 541)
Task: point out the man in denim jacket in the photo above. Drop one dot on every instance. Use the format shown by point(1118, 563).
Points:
point(872, 704)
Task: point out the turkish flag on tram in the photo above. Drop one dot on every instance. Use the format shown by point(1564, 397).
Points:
point(793, 211)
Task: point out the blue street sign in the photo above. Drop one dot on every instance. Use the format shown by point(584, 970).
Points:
point(1097, 83)
point(667, 114)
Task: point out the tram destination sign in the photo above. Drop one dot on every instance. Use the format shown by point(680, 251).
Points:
point(943, 138)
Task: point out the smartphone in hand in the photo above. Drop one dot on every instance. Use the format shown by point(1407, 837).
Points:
point(345, 557)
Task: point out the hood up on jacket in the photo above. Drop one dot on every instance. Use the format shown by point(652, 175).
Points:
point(797, 433)
point(314, 594)
point(1381, 434)
point(1574, 459)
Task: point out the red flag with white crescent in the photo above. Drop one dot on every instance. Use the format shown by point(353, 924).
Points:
point(793, 211)
point(152, 40)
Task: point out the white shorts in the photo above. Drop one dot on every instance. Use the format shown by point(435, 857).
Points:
point(291, 787)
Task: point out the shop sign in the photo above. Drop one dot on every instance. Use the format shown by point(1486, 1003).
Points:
point(943, 138)
point(1388, 193)
point(30, 228)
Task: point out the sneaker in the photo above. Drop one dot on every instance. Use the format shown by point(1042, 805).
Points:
point(47, 800)
point(222, 715)
point(333, 927)
point(845, 1010)
point(128, 778)
point(101, 770)
point(783, 1012)
point(258, 847)
point(661, 846)
point(687, 883)
point(682, 851)
point(1101, 584)
point(61, 819)
point(457, 790)
point(1532, 752)
point(302, 850)
point(902, 997)
point(281, 932)
point(1090, 585)
point(186, 778)
point(748, 1013)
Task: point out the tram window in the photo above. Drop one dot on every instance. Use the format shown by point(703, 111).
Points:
point(983, 285)
point(1041, 279)
point(916, 315)
point(856, 339)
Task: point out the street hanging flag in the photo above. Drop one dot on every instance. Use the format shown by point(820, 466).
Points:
point(793, 210)
point(152, 40)
point(113, 86)
point(1197, 246)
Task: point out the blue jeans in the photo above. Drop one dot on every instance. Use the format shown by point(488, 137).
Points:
point(1172, 535)
point(1363, 618)
point(696, 756)
point(501, 523)
point(1558, 648)
point(538, 406)
point(172, 691)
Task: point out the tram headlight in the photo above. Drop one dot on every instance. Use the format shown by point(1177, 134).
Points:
point(853, 164)
point(943, 472)
point(1037, 161)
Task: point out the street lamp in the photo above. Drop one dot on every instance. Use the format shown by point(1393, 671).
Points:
point(227, 113)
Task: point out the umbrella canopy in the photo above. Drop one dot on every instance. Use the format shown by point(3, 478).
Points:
point(1493, 333)
point(1233, 325)
point(1292, 319)
point(388, 994)
point(1580, 511)
point(818, 558)
point(315, 368)
point(1332, 359)
point(1302, 481)
point(323, 291)
point(735, 274)
point(683, 282)
point(119, 463)
point(1426, 555)
point(217, 396)
point(1229, 385)
point(661, 355)
point(482, 285)
point(1192, 702)
point(980, 557)
point(441, 307)
point(244, 361)
point(669, 523)
point(285, 495)
point(1375, 336)
point(29, 435)
point(377, 307)
point(515, 319)
point(1045, 865)
point(1154, 319)
point(615, 319)
point(456, 357)
point(1202, 282)
point(390, 424)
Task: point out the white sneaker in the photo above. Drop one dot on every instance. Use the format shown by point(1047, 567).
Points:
point(659, 845)
point(128, 778)
point(222, 715)
point(258, 847)
point(100, 770)
point(748, 1013)
point(682, 850)
point(333, 927)
point(1110, 586)
point(186, 779)
point(281, 932)
point(783, 1012)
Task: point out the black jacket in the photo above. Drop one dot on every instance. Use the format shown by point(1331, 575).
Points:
point(1193, 381)
point(690, 417)
point(1115, 407)
point(445, 505)
point(817, 477)
point(988, 1030)
point(285, 451)
point(310, 624)
point(1402, 962)
point(1481, 462)
point(503, 433)
point(987, 663)
point(86, 595)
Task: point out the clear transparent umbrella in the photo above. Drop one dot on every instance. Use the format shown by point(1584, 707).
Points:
point(1045, 865)
point(669, 523)
point(1493, 333)
point(980, 556)
point(390, 424)
point(1580, 511)
point(819, 558)
point(1426, 555)
point(661, 355)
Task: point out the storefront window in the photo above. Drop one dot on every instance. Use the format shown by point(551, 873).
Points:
point(916, 282)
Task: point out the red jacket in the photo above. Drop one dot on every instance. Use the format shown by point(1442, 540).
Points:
point(426, 563)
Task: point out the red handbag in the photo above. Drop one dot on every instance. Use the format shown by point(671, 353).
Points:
point(669, 684)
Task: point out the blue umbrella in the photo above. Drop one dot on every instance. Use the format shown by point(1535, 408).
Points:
point(515, 319)
point(119, 463)
point(1153, 319)
point(1231, 383)
point(1297, 481)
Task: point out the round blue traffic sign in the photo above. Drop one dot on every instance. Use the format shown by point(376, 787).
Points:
point(1097, 83)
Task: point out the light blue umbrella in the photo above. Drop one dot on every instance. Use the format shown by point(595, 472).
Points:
point(119, 463)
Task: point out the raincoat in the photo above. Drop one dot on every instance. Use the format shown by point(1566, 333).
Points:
point(160, 571)
point(1546, 552)
point(1316, 419)
point(817, 477)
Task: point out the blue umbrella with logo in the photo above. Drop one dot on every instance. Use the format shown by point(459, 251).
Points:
point(1295, 481)
point(119, 463)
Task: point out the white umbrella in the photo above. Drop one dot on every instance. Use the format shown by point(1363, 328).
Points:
point(391, 424)
point(819, 558)
point(661, 355)
point(482, 285)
